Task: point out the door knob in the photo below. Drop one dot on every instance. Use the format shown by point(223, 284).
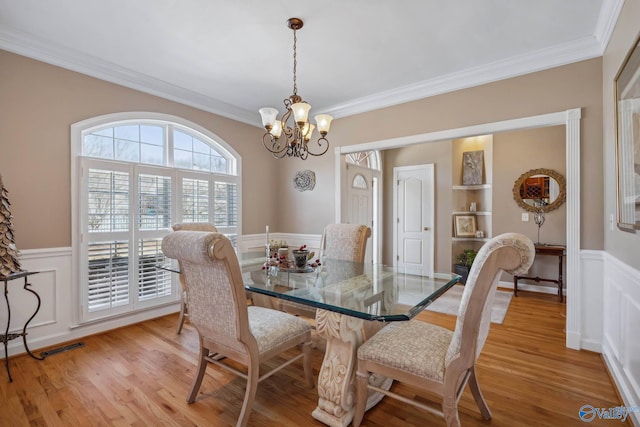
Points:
point(426, 228)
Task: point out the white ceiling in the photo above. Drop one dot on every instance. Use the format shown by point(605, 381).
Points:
point(232, 57)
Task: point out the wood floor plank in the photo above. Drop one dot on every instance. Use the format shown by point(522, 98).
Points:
point(140, 375)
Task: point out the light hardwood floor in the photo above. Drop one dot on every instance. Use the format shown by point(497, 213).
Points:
point(141, 375)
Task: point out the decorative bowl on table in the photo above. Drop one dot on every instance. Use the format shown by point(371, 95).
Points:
point(300, 257)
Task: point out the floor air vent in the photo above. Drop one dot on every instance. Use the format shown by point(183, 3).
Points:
point(61, 349)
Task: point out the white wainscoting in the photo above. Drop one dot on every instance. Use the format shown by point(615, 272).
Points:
point(257, 242)
point(620, 344)
point(54, 323)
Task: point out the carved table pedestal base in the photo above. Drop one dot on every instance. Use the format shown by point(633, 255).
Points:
point(336, 382)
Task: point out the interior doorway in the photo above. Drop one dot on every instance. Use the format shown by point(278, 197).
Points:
point(571, 120)
point(360, 174)
point(359, 197)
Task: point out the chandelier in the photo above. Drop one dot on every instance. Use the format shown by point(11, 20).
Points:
point(290, 136)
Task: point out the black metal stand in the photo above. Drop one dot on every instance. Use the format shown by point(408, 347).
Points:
point(6, 337)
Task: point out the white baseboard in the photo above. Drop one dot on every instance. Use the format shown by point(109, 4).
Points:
point(619, 378)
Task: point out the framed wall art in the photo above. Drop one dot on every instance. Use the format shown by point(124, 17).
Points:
point(472, 167)
point(627, 90)
point(464, 225)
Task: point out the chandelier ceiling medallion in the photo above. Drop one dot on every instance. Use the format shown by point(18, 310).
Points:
point(296, 132)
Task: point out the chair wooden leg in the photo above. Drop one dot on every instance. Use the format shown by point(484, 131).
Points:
point(306, 363)
point(250, 394)
point(362, 393)
point(477, 395)
point(202, 367)
point(183, 310)
point(450, 409)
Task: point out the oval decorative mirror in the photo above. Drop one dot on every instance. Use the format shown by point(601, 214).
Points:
point(540, 190)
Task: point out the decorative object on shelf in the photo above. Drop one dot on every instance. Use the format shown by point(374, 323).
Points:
point(538, 218)
point(627, 82)
point(464, 260)
point(540, 190)
point(297, 134)
point(305, 180)
point(473, 206)
point(9, 262)
point(464, 225)
point(479, 234)
point(472, 165)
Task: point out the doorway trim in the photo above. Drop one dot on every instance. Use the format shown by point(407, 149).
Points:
point(571, 120)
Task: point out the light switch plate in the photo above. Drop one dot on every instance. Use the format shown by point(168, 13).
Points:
point(525, 216)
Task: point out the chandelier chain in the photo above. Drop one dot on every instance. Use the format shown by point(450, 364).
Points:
point(295, 62)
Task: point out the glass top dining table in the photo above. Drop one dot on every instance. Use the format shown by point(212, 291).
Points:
point(352, 298)
point(366, 291)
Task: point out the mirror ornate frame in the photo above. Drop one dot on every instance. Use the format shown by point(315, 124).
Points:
point(627, 107)
point(555, 204)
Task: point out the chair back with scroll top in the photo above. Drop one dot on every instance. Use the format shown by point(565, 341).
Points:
point(227, 327)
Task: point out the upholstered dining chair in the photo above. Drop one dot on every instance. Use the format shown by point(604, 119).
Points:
point(189, 226)
point(345, 242)
point(227, 326)
point(437, 359)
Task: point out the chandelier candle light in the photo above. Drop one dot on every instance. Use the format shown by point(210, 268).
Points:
point(295, 142)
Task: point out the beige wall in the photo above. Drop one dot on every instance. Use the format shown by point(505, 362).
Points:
point(623, 245)
point(558, 89)
point(39, 102)
point(514, 154)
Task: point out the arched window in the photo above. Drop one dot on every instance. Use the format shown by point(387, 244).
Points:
point(135, 175)
point(367, 159)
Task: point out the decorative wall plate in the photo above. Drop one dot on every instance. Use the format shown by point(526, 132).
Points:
point(304, 180)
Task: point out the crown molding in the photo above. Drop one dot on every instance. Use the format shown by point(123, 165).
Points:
point(567, 53)
point(609, 13)
point(50, 53)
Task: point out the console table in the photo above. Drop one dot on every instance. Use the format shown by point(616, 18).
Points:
point(6, 337)
point(542, 249)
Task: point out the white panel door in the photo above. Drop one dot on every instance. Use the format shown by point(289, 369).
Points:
point(414, 209)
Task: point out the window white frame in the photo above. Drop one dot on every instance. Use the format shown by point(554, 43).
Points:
point(80, 241)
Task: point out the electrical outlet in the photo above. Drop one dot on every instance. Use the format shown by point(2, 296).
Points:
point(525, 217)
point(611, 222)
